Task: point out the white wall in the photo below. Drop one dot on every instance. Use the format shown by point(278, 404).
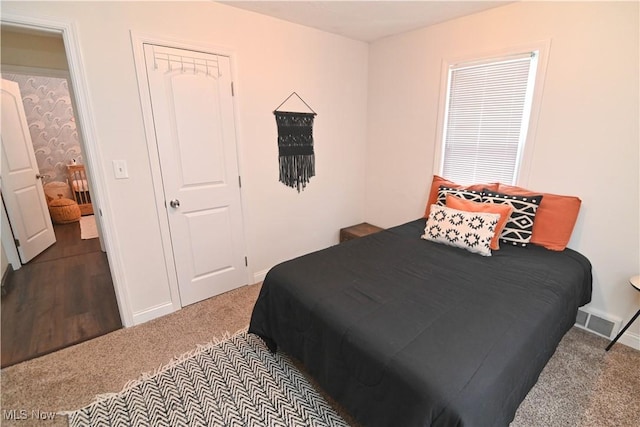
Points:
point(587, 135)
point(272, 59)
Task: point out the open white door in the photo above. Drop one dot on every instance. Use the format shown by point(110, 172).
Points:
point(195, 134)
point(21, 186)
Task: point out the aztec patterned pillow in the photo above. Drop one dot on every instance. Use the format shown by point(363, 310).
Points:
point(443, 191)
point(519, 228)
point(472, 231)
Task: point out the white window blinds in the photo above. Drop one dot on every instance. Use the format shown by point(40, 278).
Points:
point(487, 112)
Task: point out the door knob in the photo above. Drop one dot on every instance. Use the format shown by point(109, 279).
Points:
point(38, 176)
point(175, 203)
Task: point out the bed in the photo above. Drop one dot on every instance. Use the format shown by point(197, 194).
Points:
point(407, 332)
point(77, 178)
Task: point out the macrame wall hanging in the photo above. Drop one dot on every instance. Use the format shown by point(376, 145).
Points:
point(295, 146)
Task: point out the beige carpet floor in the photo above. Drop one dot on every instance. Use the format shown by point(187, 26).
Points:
point(581, 386)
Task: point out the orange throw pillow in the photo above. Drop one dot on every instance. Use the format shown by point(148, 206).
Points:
point(555, 218)
point(438, 181)
point(504, 211)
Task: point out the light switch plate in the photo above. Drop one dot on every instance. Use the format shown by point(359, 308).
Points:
point(120, 169)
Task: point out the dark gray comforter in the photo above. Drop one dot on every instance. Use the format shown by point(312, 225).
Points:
point(406, 332)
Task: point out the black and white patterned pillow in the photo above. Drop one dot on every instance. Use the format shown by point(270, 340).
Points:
point(472, 231)
point(475, 196)
point(519, 227)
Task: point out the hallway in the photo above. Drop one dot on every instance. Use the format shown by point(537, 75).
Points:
point(62, 297)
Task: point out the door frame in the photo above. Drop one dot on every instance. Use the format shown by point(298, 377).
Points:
point(138, 39)
point(90, 145)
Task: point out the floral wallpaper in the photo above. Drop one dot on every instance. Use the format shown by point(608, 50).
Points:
point(47, 105)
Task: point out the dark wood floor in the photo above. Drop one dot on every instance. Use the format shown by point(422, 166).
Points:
point(62, 297)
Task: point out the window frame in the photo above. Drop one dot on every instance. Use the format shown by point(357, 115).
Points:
point(523, 166)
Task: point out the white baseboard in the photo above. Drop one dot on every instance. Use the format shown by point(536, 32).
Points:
point(630, 339)
point(259, 276)
point(152, 313)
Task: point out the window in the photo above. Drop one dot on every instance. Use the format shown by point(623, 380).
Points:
point(487, 111)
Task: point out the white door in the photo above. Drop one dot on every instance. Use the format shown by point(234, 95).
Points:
point(22, 190)
point(193, 117)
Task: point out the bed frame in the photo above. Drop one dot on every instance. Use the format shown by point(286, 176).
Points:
point(77, 178)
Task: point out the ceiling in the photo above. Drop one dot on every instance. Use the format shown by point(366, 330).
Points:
point(366, 20)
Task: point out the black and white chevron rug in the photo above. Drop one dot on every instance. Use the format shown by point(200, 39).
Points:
point(234, 382)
